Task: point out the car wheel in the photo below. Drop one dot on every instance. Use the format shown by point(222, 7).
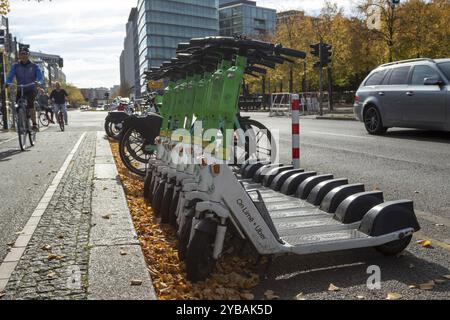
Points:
point(373, 121)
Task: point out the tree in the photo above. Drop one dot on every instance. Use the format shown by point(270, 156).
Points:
point(76, 98)
point(124, 90)
point(389, 21)
point(4, 7)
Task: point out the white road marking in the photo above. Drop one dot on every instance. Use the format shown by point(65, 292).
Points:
point(12, 259)
point(340, 135)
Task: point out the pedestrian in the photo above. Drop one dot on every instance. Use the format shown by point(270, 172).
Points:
point(43, 100)
point(59, 98)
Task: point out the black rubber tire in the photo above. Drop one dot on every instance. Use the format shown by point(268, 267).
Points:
point(151, 190)
point(173, 209)
point(43, 120)
point(158, 198)
point(126, 161)
point(395, 247)
point(21, 129)
point(165, 206)
point(59, 117)
point(249, 123)
point(148, 181)
point(373, 121)
point(185, 235)
point(199, 260)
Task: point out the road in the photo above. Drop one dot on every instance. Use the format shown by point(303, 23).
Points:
point(26, 176)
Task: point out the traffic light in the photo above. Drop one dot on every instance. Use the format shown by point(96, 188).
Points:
point(2, 37)
point(325, 54)
point(315, 49)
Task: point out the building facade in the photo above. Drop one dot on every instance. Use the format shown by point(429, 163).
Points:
point(163, 24)
point(51, 65)
point(246, 18)
point(130, 60)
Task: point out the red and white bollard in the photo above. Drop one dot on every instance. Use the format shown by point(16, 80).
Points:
point(295, 103)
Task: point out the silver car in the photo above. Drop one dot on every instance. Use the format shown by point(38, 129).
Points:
point(410, 94)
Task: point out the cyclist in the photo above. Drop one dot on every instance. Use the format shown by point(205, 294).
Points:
point(43, 100)
point(26, 72)
point(59, 97)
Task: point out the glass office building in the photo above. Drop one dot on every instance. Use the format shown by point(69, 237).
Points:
point(162, 24)
point(245, 18)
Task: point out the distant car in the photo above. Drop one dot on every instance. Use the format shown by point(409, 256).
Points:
point(84, 108)
point(411, 94)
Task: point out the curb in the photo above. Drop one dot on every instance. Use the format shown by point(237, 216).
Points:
point(335, 118)
point(117, 269)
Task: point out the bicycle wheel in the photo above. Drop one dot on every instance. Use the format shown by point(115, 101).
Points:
point(259, 144)
point(22, 128)
point(43, 120)
point(61, 121)
point(132, 153)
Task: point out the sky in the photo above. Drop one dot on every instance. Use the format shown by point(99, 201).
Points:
point(89, 34)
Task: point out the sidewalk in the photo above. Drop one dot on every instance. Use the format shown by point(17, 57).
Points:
point(80, 242)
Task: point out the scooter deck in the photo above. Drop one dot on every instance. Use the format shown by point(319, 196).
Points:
point(292, 226)
point(323, 237)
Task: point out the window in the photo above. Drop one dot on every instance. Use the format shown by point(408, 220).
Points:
point(445, 68)
point(399, 76)
point(376, 78)
point(422, 72)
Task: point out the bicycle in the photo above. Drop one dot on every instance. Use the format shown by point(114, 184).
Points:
point(60, 119)
point(43, 117)
point(23, 118)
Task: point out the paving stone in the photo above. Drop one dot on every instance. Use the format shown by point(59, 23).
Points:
point(114, 279)
point(65, 216)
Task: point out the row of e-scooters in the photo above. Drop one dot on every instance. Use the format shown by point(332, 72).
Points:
point(192, 184)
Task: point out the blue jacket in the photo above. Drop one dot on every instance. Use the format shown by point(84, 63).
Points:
point(25, 74)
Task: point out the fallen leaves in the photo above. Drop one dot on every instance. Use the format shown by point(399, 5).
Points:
point(106, 217)
point(53, 257)
point(270, 295)
point(136, 282)
point(233, 277)
point(424, 243)
point(427, 286)
point(394, 296)
point(47, 248)
point(333, 288)
point(300, 297)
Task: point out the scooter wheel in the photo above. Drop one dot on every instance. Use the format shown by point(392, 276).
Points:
point(395, 247)
point(185, 235)
point(199, 258)
point(157, 200)
point(148, 181)
point(173, 210)
point(165, 206)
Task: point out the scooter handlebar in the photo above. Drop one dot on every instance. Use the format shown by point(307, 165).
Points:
point(290, 52)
